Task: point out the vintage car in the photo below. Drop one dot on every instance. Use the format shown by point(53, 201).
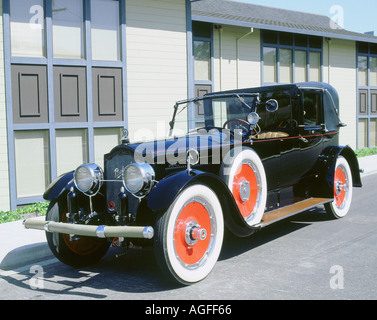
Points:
point(239, 160)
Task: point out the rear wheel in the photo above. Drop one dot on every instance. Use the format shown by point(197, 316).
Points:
point(189, 235)
point(342, 190)
point(244, 174)
point(82, 252)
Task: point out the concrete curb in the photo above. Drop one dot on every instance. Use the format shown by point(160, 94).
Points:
point(26, 255)
point(20, 247)
point(368, 164)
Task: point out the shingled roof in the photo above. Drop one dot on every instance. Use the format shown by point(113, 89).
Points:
point(268, 18)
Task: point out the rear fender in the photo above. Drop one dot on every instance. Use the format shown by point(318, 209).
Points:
point(328, 162)
point(61, 184)
point(167, 190)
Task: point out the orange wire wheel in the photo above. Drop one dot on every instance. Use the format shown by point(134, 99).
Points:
point(244, 174)
point(342, 190)
point(189, 235)
point(82, 246)
point(74, 252)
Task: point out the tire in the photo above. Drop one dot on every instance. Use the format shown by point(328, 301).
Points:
point(83, 252)
point(182, 258)
point(245, 168)
point(342, 190)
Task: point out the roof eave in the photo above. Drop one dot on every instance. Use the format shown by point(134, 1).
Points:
point(247, 24)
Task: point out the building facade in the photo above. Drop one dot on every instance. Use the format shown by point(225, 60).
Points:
point(74, 73)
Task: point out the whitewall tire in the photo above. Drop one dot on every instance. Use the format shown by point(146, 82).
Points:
point(189, 235)
point(244, 174)
point(343, 185)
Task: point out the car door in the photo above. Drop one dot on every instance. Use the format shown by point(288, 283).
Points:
point(280, 149)
point(311, 130)
point(290, 145)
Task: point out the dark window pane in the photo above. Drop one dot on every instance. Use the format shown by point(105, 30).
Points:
point(286, 38)
point(363, 47)
point(301, 40)
point(312, 105)
point(270, 36)
point(373, 48)
point(201, 29)
point(315, 42)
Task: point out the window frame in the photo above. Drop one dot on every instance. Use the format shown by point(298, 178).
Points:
point(278, 45)
point(364, 49)
point(50, 62)
point(320, 112)
point(204, 38)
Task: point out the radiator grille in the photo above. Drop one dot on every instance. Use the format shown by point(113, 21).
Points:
point(115, 163)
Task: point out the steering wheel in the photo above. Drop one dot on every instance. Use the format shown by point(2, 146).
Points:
point(243, 124)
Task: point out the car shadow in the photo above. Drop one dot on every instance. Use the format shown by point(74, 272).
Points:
point(234, 246)
point(137, 271)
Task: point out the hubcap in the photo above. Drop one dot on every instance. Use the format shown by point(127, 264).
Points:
point(247, 189)
point(194, 233)
point(340, 187)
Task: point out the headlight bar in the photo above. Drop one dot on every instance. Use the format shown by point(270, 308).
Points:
point(138, 179)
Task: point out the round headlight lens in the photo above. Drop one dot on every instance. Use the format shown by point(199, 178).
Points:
point(88, 178)
point(133, 179)
point(138, 178)
point(253, 118)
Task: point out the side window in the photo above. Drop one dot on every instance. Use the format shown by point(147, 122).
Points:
point(281, 119)
point(312, 103)
point(330, 115)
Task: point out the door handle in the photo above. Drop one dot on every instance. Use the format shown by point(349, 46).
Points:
point(304, 139)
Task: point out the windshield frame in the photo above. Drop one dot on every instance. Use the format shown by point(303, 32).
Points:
point(213, 96)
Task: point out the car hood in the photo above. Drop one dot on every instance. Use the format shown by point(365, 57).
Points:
point(173, 150)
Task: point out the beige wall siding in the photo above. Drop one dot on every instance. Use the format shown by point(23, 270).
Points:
point(156, 62)
point(342, 76)
point(227, 75)
point(4, 174)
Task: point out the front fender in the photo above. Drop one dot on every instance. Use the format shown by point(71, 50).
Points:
point(62, 183)
point(167, 190)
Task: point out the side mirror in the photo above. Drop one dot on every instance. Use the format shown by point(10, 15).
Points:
point(272, 105)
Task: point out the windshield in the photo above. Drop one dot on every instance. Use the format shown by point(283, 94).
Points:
point(228, 111)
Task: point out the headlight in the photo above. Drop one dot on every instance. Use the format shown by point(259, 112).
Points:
point(138, 178)
point(253, 118)
point(88, 178)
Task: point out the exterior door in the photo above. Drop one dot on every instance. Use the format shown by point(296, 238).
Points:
point(311, 130)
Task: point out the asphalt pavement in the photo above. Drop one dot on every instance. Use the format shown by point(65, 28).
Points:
point(20, 247)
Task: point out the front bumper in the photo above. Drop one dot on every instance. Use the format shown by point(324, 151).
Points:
point(89, 230)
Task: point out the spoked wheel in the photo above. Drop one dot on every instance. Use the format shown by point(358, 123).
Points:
point(244, 174)
point(342, 190)
point(189, 235)
point(82, 252)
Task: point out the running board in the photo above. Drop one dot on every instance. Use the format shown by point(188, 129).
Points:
point(291, 210)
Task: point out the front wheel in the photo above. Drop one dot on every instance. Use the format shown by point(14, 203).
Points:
point(342, 190)
point(84, 251)
point(189, 235)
